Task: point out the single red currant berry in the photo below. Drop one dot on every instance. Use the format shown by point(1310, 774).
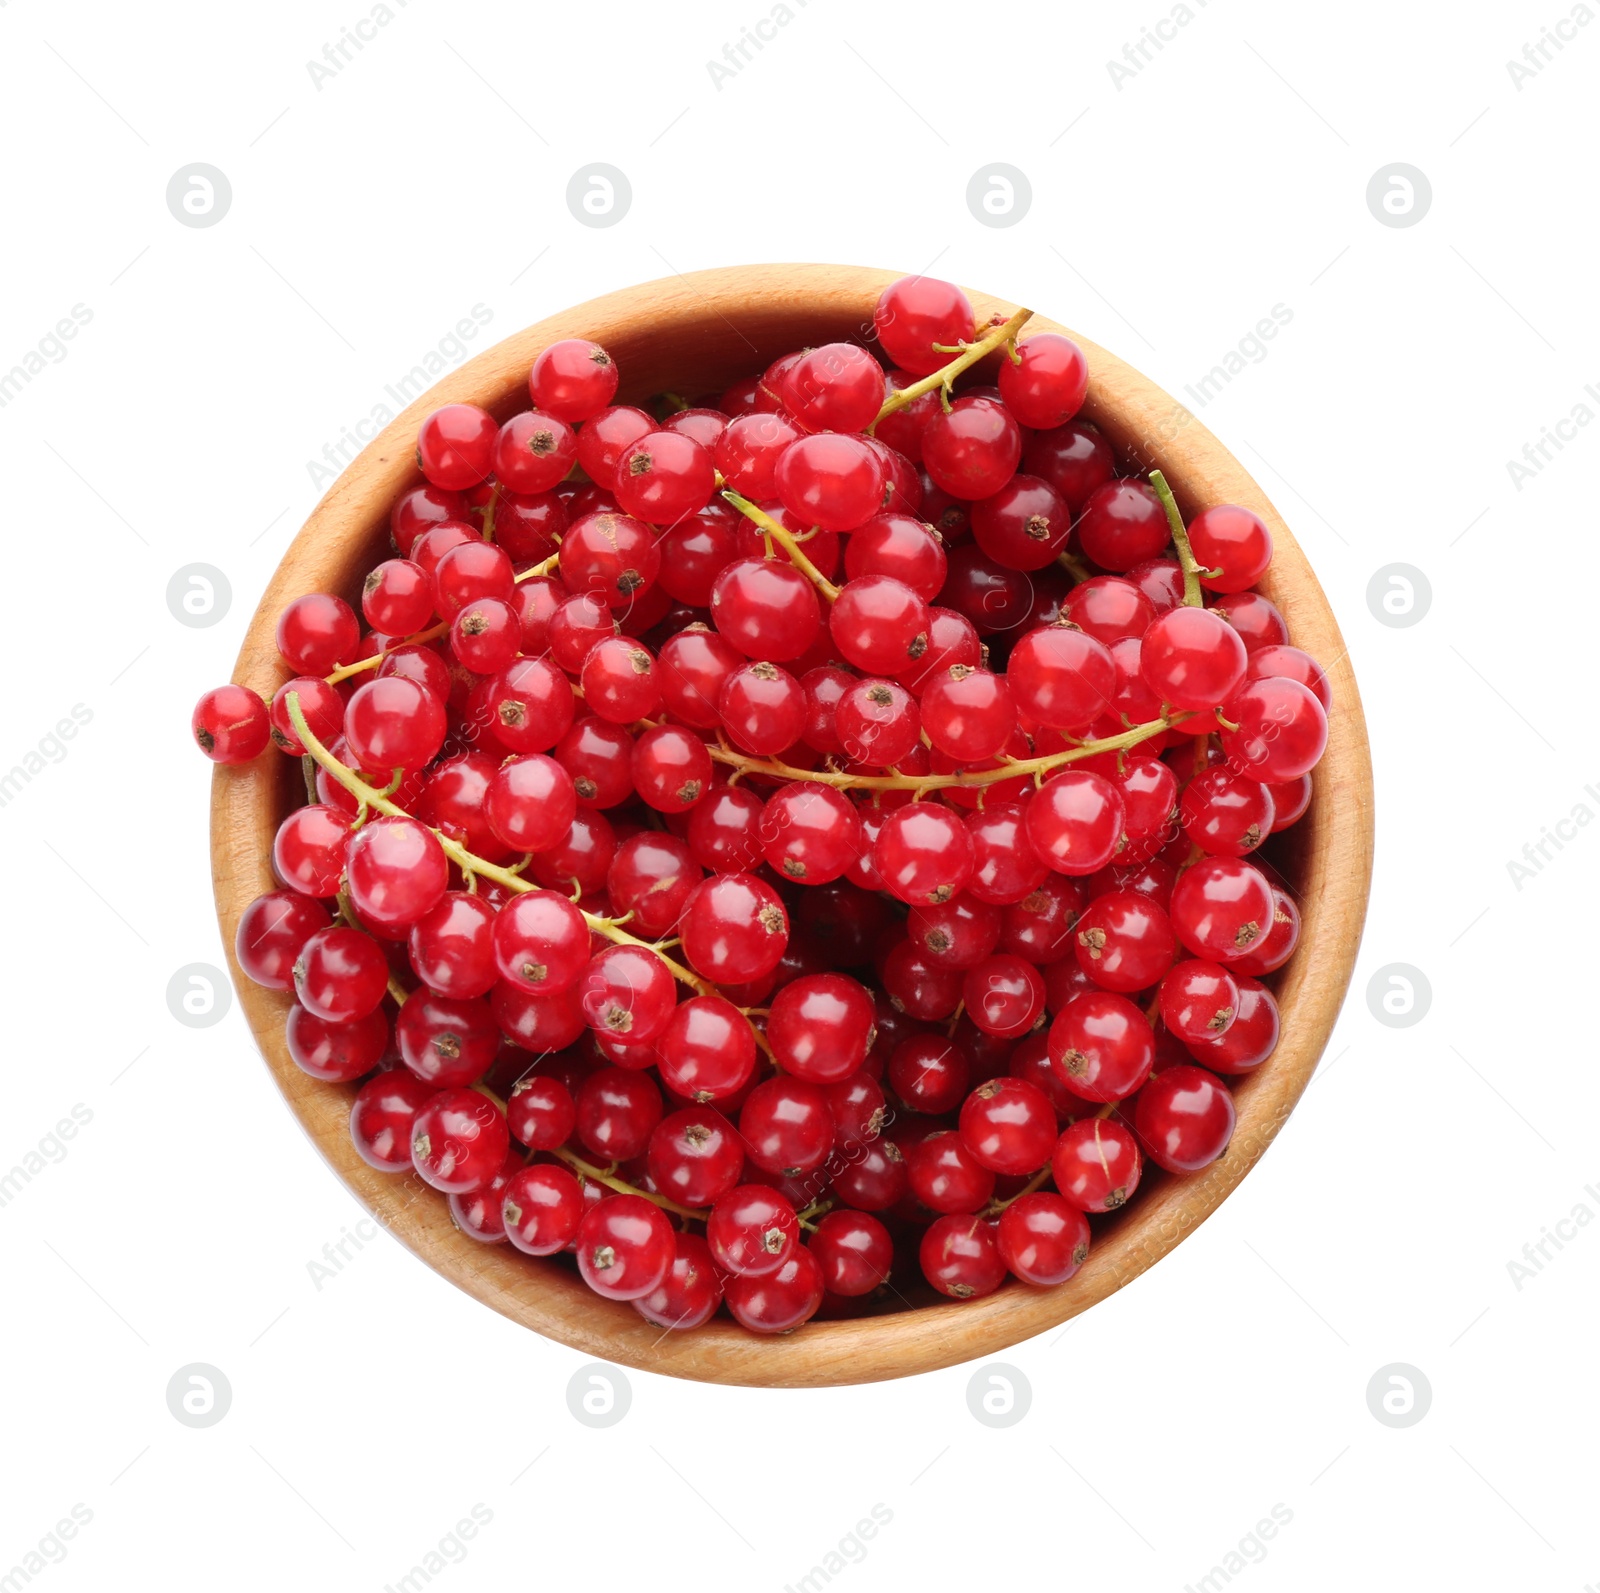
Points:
point(624, 1247)
point(381, 1118)
point(1005, 868)
point(1074, 458)
point(763, 708)
point(455, 446)
point(1191, 658)
point(1226, 814)
point(1042, 1239)
point(1061, 678)
point(1249, 1040)
point(1009, 1125)
point(1124, 941)
point(394, 724)
point(786, 1126)
point(958, 933)
point(830, 480)
point(540, 1112)
point(1044, 385)
point(821, 1027)
point(707, 1051)
point(752, 1230)
point(671, 768)
point(446, 1043)
point(1024, 525)
point(1184, 1118)
point(1004, 995)
point(617, 1110)
point(1221, 908)
point(899, 546)
point(1075, 821)
point(779, 1300)
point(1102, 1047)
point(854, 1252)
point(693, 665)
point(541, 942)
point(1121, 525)
point(945, 1176)
point(627, 993)
point(665, 476)
point(968, 713)
point(1232, 546)
point(530, 705)
point(960, 1257)
point(695, 1156)
point(273, 931)
point(317, 633)
point(230, 724)
point(690, 1293)
point(541, 1207)
point(531, 803)
point(930, 1073)
point(918, 986)
point(340, 975)
point(459, 1141)
point(1279, 729)
point(320, 706)
point(838, 387)
point(1096, 1165)
point(396, 871)
point(879, 624)
point(573, 380)
point(397, 597)
point(923, 854)
point(533, 452)
point(308, 850)
point(766, 608)
point(335, 1052)
point(734, 929)
point(810, 832)
point(915, 314)
point(972, 449)
point(1199, 1001)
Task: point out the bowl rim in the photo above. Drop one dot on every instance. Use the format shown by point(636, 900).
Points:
point(759, 305)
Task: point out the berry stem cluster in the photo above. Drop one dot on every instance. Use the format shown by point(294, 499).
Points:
point(469, 862)
point(942, 379)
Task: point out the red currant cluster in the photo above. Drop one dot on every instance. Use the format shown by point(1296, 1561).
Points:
point(934, 748)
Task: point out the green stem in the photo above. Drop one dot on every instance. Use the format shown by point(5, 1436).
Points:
point(939, 782)
point(622, 1186)
point(942, 378)
point(785, 540)
point(1180, 540)
point(468, 862)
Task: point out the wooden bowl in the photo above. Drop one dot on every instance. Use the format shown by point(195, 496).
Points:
point(695, 334)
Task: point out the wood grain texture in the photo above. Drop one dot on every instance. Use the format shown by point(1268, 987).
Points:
point(695, 334)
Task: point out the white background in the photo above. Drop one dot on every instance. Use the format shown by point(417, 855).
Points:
point(1169, 214)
